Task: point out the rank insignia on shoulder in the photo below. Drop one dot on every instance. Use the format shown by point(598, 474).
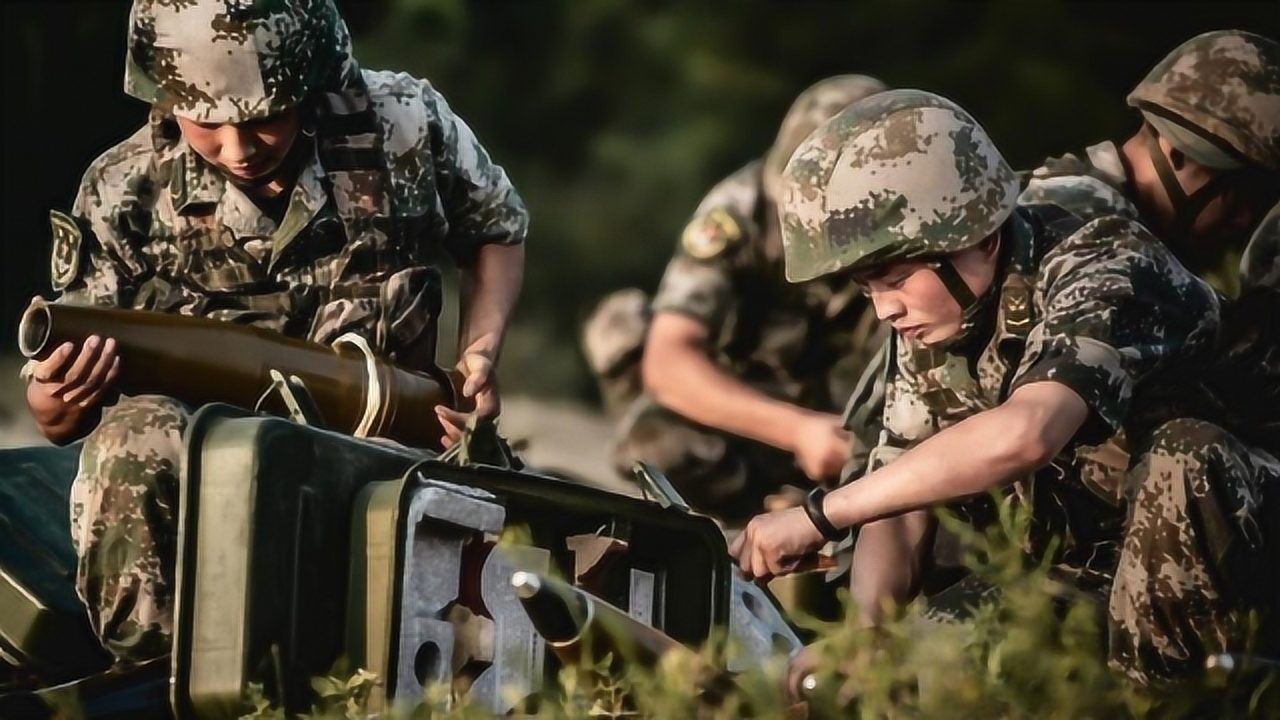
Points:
point(65, 260)
point(707, 235)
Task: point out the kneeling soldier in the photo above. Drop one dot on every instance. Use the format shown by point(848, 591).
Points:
point(1021, 333)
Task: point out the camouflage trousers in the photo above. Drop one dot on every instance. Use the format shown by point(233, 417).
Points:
point(124, 504)
point(1198, 553)
point(718, 474)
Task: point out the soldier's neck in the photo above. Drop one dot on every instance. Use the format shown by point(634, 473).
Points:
point(1148, 193)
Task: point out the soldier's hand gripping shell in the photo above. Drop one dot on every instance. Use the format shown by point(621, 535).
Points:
point(67, 387)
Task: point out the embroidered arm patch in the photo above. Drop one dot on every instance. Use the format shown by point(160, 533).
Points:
point(64, 266)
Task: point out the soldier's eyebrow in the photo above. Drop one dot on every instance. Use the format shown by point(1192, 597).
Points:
point(262, 121)
point(870, 274)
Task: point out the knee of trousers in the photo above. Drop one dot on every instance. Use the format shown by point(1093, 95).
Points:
point(1194, 479)
point(613, 335)
point(703, 465)
point(1185, 436)
point(1185, 451)
point(661, 438)
point(137, 440)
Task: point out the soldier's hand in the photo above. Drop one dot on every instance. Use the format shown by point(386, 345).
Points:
point(479, 389)
point(774, 543)
point(802, 665)
point(821, 446)
point(68, 386)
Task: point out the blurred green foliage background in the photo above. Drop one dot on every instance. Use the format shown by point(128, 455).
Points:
point(614, 116)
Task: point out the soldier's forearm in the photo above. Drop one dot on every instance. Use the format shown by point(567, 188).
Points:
point(982, 452)
point(684, 380)
point(490, 288)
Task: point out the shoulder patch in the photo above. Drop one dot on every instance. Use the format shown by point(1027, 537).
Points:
point(709, 234)
point(64, 266)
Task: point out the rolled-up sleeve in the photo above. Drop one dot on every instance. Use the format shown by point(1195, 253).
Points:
point(697, 289)
point(1117, 307)
point(480, 203)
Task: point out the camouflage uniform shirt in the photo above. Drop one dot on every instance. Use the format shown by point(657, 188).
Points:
point(155, 227)
point(1097, 185)
point(1090, 187)
point(1242, 390)
point(1108, 309)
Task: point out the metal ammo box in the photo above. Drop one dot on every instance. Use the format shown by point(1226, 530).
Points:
point(300, 546)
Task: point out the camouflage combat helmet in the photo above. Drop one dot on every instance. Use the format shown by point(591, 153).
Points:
point(1224, 87)
point(898, 175)
point(817, 104)
point(229, 61)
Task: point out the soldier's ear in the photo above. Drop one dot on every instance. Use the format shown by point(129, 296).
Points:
point(1177, 159)
point(990, 245)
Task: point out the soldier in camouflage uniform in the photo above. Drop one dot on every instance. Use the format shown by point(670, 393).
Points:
point(738, 363)
point(1200, 172)
point(1204, 166)
point(276, 184)
point(1021, 332)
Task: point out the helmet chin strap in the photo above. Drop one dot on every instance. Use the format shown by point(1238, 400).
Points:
point(955, 284)
point(1186, 208)
point(974, 310)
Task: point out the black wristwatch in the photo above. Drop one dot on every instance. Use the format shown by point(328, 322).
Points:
point(817, 516)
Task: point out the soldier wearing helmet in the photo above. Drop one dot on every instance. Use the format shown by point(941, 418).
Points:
point(736, 390)
point(277, 184)
point(1200, 172)
point(1020, 332)
point(1205, 165)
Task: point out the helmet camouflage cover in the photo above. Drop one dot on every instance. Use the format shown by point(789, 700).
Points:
point(898, 175)
point(1226, 86)
point(229, 61)
point(817, 104)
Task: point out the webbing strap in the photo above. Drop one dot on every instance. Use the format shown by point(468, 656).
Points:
point(1186, 208)
point(373, 385)
point(349, 144)
point(955, 284)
